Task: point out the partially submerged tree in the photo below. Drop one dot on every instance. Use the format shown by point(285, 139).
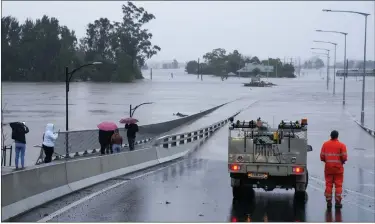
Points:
point(39, 50)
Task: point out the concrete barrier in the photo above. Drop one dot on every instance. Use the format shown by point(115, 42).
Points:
point(26, 189)
point(23, 190)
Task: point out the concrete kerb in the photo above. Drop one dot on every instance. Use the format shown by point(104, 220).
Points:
point(24, 190)
point(368, 130)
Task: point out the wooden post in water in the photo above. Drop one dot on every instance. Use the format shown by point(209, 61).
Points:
point(151, 73)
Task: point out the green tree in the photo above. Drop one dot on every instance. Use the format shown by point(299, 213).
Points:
point(10, 48)
point(192, 67)
point(256, 71)
point(255, 60)
point(319, 63)
point(40, 50)
point(235, 61)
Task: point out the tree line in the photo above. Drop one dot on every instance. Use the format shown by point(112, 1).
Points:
point(39, 51)
point(316, 63)
point(219, 62)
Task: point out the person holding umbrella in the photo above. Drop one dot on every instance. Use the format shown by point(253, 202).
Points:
point(132, 127)
point(19, 131)
point(106, 130)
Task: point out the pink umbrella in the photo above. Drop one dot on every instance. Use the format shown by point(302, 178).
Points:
point(107, 126)
point(128, 120)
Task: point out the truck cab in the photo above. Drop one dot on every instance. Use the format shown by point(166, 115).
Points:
point(263, 157)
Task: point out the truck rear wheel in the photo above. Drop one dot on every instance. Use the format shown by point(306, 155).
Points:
point(307, 178)
point(237, 192)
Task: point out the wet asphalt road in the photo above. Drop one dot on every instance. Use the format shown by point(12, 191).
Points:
point(197, 188)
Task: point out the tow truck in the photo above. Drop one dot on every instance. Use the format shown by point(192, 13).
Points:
point(263, 157)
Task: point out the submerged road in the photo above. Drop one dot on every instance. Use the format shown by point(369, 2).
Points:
point(197, 188)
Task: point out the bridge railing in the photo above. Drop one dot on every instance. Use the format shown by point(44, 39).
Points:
point(85, 142)
point(175, 140)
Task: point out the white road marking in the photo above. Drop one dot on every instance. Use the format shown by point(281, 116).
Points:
point(368, 185)
point(346, 201)
point(88, 197)
point(345, 189)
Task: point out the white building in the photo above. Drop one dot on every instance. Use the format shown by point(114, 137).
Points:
point(249, 67)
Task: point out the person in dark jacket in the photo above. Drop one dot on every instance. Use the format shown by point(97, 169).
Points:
point(105, 141)
point(19, 131)
point(131, 133)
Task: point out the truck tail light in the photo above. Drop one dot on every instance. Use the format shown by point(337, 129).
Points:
point(233, 219)
point(298, 169)
point(234, 167)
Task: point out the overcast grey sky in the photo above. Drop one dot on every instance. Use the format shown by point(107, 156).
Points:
point(187, 30)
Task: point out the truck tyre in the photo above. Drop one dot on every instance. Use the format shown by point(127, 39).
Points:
point(307, 179)
point(237, 192)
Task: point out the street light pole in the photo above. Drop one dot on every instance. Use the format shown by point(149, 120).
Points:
point(334, 65)
point(68, 77)
point(364, 75)
point(327, 62)
point(345, 61)
point(345, 74)
point(132, 110)
point(364, 58)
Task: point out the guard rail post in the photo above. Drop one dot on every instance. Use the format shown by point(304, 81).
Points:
point(4, 155)
point(188, 137)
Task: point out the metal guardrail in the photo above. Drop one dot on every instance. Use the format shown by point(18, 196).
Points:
point(84, 140)
point(170, 141)
point(4, 155)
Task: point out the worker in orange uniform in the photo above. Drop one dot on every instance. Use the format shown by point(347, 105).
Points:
point(334, 155)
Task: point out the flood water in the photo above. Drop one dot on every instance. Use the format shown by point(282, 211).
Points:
point(91, 103)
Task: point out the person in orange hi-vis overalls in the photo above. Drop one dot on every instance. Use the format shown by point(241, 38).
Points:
point(334, 155)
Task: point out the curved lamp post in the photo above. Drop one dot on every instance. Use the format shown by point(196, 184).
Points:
point(345, 74)
point(364, 58)
point(68, 77)
point(132, 110)
point(334, 63)
point(313, 48)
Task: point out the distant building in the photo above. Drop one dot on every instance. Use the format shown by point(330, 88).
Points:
point(249, 68)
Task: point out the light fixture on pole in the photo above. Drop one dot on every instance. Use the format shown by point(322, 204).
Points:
point(313, 48)
point(68, 77)
point(334, 63)
point(364, 58)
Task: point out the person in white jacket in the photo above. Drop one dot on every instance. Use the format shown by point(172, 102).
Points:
point(49, 138)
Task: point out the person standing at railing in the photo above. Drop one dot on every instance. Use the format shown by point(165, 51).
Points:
point(19, 131)
point(131, 134)
point(49, 138)
point(105, 141)
point(116, 141)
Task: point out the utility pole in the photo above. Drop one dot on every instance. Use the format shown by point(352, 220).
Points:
point(198, 70)
point(268, 65)
point(151, 73)
point(276, 67)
